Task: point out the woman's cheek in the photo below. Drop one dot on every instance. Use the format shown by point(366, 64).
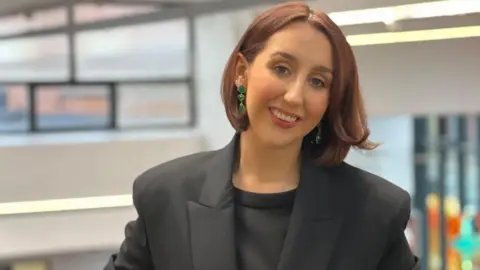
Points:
point(316, 104)
point(269, 89)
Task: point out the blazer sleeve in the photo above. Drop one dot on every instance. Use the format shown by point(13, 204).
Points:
point(134, 252)
point(398, 255)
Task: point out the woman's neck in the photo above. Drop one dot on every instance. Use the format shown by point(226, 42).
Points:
point(266, 169)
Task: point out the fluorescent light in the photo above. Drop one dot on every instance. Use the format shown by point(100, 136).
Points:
point(413, 11)
point(30, 265)
point(70, 204)
point(414, 36)
point(365, 16)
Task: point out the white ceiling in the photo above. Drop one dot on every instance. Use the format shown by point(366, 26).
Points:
point(163, 1)
point(9, 6)
point(342, 5)
point(20, 6)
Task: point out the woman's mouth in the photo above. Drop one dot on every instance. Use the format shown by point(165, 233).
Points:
point(284, 119)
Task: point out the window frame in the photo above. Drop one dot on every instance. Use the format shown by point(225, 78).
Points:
point(34, 88)
point(71, 30)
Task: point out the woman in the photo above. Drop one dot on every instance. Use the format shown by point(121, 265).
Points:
point(279, 196)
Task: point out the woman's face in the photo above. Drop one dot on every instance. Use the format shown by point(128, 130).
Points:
point(287, 85)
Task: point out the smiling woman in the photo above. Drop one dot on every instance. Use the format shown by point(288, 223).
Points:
point(301, 51)
point(280, 195)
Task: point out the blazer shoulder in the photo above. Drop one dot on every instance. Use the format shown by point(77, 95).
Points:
point(388, 199)
point(172, 173)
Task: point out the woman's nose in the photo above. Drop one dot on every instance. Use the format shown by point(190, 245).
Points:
point(294, 94)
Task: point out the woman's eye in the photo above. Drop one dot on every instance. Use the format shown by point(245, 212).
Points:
point(281, 70)
point(317, 83)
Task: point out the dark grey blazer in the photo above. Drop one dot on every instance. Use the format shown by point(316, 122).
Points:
point(343, 219)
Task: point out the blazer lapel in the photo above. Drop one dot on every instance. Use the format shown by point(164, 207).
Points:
point(211, 220)
point(314, 225)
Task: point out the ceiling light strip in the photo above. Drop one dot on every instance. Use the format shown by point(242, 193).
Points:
point(70, 204)
point(412, 11)
point(414, 36)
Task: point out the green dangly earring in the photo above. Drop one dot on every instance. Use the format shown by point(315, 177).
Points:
point(241, 99)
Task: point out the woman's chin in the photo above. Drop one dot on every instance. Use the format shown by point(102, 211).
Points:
point(281, 140)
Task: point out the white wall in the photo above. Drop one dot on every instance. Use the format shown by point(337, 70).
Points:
point(43, 168)
point(215, 41)
point(421, 78)
point(94, 166)
point(47, 234)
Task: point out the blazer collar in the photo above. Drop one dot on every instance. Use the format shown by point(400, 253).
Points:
point(218, 184)
point(217, 189)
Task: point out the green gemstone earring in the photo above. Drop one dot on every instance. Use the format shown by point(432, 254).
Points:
point(241, 99)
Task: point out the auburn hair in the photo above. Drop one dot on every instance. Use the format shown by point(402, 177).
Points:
point(344, 124)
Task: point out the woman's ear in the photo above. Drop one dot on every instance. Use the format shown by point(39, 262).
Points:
point(241, 69)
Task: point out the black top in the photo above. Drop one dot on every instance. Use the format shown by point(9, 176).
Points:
point(261, 226)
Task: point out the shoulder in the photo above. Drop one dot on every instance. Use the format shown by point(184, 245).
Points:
point(380, 199)
point(170, 176)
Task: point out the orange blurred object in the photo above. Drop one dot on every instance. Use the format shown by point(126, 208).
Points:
point(433, 206)
point(454, 260)
point(453, 227)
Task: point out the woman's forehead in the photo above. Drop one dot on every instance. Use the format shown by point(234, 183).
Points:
point(303, 41)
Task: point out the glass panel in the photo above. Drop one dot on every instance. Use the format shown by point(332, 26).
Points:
point(72, 107)
point(42, 19)
point(13, 108)
point(86, 12)
point(153, 104)
point(34, 59)
point(151, 51)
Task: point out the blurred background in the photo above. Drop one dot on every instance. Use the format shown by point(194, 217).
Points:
point(92, 93)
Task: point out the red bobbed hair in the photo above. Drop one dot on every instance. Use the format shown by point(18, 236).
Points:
point(344, 124)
